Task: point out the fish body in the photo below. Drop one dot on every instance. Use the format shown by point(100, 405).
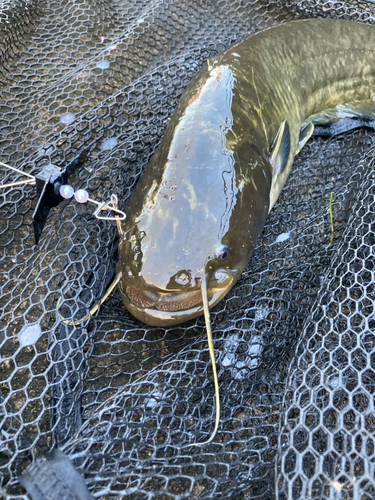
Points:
point(201, 202)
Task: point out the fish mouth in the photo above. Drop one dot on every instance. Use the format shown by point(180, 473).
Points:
point(160, 308)
point(163, 301)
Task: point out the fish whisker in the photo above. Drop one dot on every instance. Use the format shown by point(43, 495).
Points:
point(213, 363)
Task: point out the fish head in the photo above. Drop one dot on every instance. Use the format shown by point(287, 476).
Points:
point(197, 209)
point(162, 285)
point(183, 229)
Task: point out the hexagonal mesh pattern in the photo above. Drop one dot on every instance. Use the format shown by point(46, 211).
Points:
point(294, 339)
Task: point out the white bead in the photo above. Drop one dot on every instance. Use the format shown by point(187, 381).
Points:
point(81, 196)
point(66, 191)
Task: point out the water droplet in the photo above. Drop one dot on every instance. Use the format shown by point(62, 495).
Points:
point(226, 361)
point(282, 237)
point(29, 334)
point(67, 118)
point(154, 399)
point(261, 313)
point(334, 382)
point(108, 143)
point(102, 64)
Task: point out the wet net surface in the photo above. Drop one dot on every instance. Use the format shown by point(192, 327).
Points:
point(294, 339)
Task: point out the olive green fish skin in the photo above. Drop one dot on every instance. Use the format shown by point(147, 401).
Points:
point(209, 187)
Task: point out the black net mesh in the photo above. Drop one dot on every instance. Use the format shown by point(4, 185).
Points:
point(294, 339)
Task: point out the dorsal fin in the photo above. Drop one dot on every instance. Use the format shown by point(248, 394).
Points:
point(280, 149)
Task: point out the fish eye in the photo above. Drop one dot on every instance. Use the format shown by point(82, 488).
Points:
point(222, 253)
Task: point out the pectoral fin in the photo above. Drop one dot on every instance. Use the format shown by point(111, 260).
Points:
point(280, 149)
point(279, 156)
point(304, 135)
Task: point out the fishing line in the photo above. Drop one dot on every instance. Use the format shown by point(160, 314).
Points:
point(212, 356)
